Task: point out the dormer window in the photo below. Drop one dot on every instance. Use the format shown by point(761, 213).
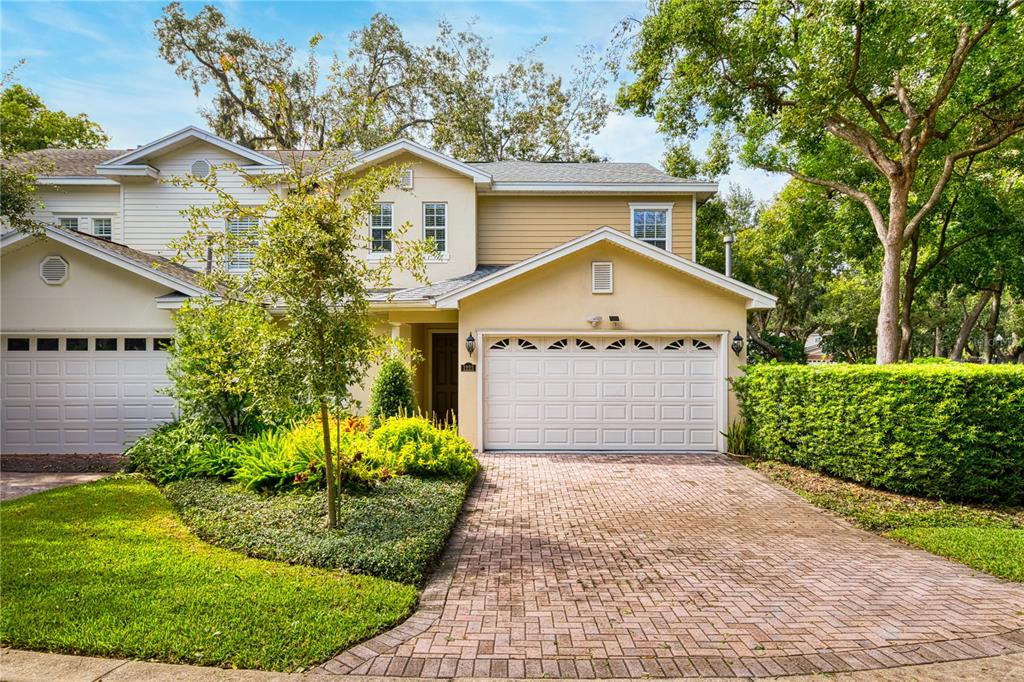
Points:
point(69, 223)
point(382, 222)
point(101, 227)
point(652, 223)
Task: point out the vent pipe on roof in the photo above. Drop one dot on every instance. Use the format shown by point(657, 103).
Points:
point(729, 239)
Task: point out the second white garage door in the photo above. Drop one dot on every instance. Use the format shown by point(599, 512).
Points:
point(609, 393)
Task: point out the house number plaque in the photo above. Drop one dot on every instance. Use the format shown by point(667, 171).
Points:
point(468, 367)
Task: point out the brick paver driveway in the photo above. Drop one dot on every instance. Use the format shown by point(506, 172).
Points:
point(677, 565)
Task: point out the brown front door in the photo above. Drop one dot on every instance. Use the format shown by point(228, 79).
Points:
point(444, 376)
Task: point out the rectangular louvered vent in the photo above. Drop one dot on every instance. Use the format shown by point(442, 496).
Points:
point(406, 180)
point(601, 278)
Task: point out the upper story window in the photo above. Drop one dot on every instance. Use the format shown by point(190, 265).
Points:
point(435, 225)
point(241, 259)
point(652, 223)
point(69, 223)
point(382, 221)
point(405, 181)
point(101, 227)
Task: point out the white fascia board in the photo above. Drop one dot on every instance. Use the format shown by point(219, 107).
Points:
point(189, 132)
point(264, 170)
point(402, 305)
point(403, 145)
point(574, 187)
point(64, 237)
point(134, 170)
point(756, 299)
point(75, 180)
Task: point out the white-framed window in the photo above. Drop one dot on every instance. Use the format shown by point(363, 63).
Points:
point(241, 259)
point(435, 224)
point(405, 180)
point(382, 222)
point(652, 223)
point(102, 228)
point(68, 223)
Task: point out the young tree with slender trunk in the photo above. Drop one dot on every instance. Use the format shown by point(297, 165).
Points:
point(880, 100)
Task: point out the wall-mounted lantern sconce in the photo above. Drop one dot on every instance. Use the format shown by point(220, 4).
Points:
point(737, 344)
point(470, 343)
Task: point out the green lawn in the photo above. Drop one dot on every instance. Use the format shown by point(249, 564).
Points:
point(107, 569)
point(393, 530)
point(987, 538)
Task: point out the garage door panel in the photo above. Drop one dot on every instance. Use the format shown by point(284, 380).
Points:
point(58, 402)
point(602, 393)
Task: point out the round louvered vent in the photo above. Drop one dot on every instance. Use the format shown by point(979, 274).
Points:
point(200, 168)
point(53, 270)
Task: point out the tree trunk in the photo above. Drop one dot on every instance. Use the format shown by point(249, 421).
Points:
point(888, 349)
point(325, 425)
point(992, 323)
point(764, 345)
point(937, 349)
point(968, 326)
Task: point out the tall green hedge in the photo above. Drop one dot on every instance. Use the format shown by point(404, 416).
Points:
point(947, 431)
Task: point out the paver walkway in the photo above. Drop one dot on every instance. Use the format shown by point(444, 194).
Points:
point(15, 484)
point(674, 566)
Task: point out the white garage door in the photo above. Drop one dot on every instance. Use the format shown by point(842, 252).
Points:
point(81, 394)
point(616, 393)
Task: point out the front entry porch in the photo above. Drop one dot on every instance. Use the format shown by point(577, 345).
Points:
point(434, 341)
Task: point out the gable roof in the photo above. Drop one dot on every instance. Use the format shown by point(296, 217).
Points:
point(403, 145)
point(756, 299)
point(182, 137)
point(155, 268)
point(604, 176)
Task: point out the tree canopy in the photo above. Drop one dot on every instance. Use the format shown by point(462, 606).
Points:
point(448, 94)
point(882, 101)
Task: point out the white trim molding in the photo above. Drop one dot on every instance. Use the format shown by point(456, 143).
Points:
point(606, 188)
point(181, 137)
point(755, 298)
point(398, 146)
point(75, 180)
point(141, 170)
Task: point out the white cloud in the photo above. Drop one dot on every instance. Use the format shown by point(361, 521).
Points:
point(626, 137)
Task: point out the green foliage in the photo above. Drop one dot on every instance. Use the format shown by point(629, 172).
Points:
point(278, 460)
point(392, 394)
point(738, 438)
point(415, 446)
point(27, 124)
point(108, 569)
point(181, 449)
point(999, 551)
point(223, 353)
point(792, 349)
point(394, 530)
point(941, 431)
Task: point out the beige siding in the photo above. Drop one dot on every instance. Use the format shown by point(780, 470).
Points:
point(84, 202)
point(512, 228)
point(152, 208)
point(96, 297)
point(434, 183)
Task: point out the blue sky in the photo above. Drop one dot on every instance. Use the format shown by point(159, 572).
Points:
point(101, 57)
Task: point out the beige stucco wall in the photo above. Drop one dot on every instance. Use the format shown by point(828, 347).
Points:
point(648, 297)
point(433, 183)
point(513, 228)
point(97, 296)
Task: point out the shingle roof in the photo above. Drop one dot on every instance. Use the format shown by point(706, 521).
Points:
point(82, 163)
point(432, 291)
point(598, 172)
point(65, 162)
point(147, 260)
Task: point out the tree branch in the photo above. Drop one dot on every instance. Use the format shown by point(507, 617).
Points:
point(863, 197)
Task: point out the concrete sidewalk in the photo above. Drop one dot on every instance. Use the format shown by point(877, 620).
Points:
point(30, 666)
point(15, 484)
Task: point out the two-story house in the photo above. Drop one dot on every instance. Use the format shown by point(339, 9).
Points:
point(566, 311)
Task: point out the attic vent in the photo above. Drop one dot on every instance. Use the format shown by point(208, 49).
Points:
point(53, 270)
point(200, 168)
point(405, 182)
point(601, 276)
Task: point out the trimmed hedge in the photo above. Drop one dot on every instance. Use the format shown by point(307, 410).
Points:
point(946, 431)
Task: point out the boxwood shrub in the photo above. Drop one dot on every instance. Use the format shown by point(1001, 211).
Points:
point(947, 431)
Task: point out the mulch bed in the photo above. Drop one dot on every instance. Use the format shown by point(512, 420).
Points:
point(77, 464)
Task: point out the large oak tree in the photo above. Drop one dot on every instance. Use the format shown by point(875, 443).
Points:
point(883, 101)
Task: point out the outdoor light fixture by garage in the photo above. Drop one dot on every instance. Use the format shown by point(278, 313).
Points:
point(737, 344)
point(470, 343)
